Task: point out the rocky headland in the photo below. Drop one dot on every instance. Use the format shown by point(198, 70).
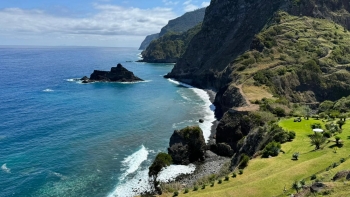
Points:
point(116, 74)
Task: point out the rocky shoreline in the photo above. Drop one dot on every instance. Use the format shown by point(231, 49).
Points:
point(212, 164)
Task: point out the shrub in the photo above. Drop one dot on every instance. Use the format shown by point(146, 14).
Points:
point(186, 191)
point(176, 193)
point(234, 175)
point(302, 182)
point(327, 134)
point(296, 185)
point(334, 165)
point(161, 160)
point(219, 181)
point(212, 184)
point(227, 178)
point(296, 156)
point(240, 172)
point(203, 186)
point(291, 135)
point(280, 112)
point(244, 161)
point(316, 126)
point(342, 160)
point(195, 188)
point(337, 140)
point(271, 149)
point(317, 139)
point(313, 177)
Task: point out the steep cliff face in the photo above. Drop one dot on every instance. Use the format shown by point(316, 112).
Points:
point(169, 47)
point(229, 28)
point(178, 25)
point(148, 40)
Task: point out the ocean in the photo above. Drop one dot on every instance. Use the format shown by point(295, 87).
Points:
point(59, 137)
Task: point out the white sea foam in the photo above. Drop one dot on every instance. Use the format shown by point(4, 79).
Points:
point(5, 168)
point(145, 81)
point(171, 172)
point(73, 80)
point(48, 90)
point(130, 165)
point(208, 108)
point(133, 187)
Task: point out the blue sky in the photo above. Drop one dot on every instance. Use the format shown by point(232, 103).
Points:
point(119, 23)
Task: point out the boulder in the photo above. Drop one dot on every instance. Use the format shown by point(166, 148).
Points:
point(317, 187)
point(342, 174)
point(222, 149)
point(187, 145)
point(201, 120)
point(85, 78)
point(116, 74)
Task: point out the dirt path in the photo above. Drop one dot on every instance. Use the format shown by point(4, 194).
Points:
point(249, 106)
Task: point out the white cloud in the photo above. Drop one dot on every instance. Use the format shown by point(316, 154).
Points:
point(170, 3)
point(109, 20)
point(205, 4)
point(190, 7)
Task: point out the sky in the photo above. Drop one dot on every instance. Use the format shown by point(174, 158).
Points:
point(111, 23)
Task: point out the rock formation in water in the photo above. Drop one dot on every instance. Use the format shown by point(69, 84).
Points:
point(187, 145)
point(116, 74)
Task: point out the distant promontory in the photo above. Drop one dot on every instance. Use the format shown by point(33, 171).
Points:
point(117, 74)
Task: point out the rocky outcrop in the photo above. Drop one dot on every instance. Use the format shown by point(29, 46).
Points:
point(187, 145)
point(148, 40)
point(342, 174)
point(117, 74)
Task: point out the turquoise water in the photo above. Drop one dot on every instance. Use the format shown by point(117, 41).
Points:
point(59, 137)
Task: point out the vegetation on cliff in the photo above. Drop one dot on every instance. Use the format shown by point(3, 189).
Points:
point(169, 47)
point(178, 25)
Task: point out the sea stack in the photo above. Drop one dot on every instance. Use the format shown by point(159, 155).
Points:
point(117, 74)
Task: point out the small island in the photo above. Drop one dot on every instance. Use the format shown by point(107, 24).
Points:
point(117, 74)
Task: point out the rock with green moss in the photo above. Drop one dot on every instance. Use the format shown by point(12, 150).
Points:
point(187, 145)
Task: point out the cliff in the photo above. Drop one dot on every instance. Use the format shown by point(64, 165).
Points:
point(170, 47)
point(229, 28)
point(177, 25)
point(148, 40)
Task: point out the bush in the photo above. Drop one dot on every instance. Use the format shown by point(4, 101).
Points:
point(296, 156)
point(302, 182)
point(203, 186)
point(227, 178)
point(280, 112)
point(161, 160)
point(186, 191)
point(212, 184)
point(316, 126)
point(234, 175)
point(342, 160)
point(271, 149)
point(219, 181)
point(313, 177)
point(317, 139)
point(195, 188)
point(327, 134)
point(240, 172)
point(291, 135)
point(176, 193)
point(334, 165)
point(244, 161)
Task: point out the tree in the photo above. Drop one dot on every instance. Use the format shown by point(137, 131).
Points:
point(296, 185)
point(337, 140)
point(317, 140)
point(340, 123)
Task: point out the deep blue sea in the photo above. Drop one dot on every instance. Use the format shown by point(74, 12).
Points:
point(59, 137)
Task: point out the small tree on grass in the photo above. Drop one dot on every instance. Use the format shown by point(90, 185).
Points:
point(271, 149)
point(297, 186)
point(317, 140)
point(340, 123)
point(296, 156)
point(244, 161)
point(337, 140)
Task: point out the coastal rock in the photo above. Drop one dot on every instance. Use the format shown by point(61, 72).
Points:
point(201, 120)
point(222, 149)
point(187, 145)
point(117, 74)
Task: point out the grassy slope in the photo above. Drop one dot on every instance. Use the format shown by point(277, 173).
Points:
point(298, 40)
point(268, 177)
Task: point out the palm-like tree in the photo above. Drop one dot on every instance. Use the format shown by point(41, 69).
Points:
point(317, 139)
